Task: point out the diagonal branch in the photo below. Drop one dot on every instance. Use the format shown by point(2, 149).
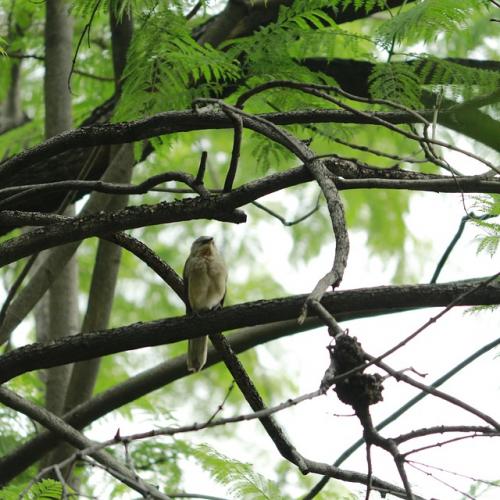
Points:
point(58, 426)
point(248, 389)
point(277, 434)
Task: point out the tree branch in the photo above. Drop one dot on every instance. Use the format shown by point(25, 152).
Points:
point(167, 331)
point(61, 428)
point(183, 121)
point(78, 228)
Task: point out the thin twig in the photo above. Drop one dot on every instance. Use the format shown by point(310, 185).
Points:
point(235, 153)
point(432, 320)
point(454, 241)
point(439, 444)
point(319, 91)
point(441, 429)
point(366, 149)
point(27, 191)
point(457, 474)
point(86, 29)
point(202, 168)
point(86, 74)
point(439, 480)
point(442, 395)
point(221, 406)
point(282, 219)
point(369, 471)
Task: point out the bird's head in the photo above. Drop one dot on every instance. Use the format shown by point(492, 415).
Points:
point(203, 245)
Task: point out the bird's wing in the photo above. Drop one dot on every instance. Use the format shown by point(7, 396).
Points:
point(186, 286)
point(221, 303)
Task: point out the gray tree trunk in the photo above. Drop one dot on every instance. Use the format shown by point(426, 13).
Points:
point(107, 263)
point(63, 299)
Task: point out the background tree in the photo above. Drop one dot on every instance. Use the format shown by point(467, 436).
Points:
point(196, 111)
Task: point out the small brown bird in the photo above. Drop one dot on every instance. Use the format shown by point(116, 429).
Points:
point(205, 278)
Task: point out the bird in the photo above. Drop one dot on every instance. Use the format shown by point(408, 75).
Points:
point(205, 282)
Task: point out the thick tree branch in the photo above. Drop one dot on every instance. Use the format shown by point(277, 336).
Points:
point(350, 175)
point(167, 331)
point(140, 385)
point(217, 206)
point(78, 228)
point(353, 74)
point(182, 121)
point(166, 373)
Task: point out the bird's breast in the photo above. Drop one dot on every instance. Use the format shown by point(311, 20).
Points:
point(207, 283)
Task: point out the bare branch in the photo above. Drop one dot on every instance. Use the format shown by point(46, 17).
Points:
point(454, 240)
point(174, 369)
point(180, 121)
point(202, 167)
point(439, 394)
point(235, 153)
point(320, 91)
point(167, 331)
point(100, 186)
point(57, 425)
point(347, 453)
point(441, 429)
point(285, 222)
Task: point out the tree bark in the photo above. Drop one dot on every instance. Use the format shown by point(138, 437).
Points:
point(63, 301)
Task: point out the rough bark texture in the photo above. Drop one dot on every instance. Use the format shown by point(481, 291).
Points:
point(167, 331)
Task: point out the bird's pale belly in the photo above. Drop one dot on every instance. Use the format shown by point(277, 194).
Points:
point(206, 286)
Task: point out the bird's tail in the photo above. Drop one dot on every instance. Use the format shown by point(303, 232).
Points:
point(197, 353)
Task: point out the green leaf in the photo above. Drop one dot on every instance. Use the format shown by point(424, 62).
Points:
point(240, 478)
point(425, 20)
point(397, 82)
point(47, 489)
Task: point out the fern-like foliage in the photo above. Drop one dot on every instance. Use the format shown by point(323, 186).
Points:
point(167, 68)
point(240, 478)
point(460, 80)
point(268, 52)
point(47, 489)
point(489, 240)
point(366, 5)
point(396, 82)
point(425, 19)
